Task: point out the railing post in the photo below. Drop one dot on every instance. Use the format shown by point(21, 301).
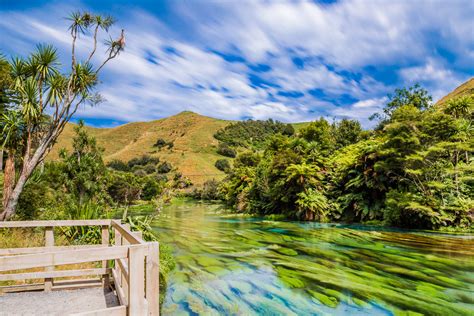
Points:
point(153, 279)
point(105, 241)
point(136, 280)
point(49, 242)
point(118, 242)
point(126, 283)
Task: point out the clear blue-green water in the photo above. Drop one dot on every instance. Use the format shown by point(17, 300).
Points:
point(245, 266)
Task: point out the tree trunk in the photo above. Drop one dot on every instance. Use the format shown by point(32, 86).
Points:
point(9, 178)
point(1, 160)
point(11, 202)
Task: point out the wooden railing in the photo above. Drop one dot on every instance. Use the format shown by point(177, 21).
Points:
point(135, 273)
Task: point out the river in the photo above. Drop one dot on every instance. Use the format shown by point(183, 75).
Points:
point(246, 266)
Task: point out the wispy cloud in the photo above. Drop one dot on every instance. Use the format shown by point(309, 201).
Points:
point(290, 60)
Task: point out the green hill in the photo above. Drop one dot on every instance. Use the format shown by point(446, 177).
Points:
point(193, 154)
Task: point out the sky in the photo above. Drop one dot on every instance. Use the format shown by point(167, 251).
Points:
point(235, 59)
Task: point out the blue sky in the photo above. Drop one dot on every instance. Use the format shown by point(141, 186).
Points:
point(289, 60)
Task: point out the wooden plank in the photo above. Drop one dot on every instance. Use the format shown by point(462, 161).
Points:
point(22, 288)
point(119, 289)
point(126, 233)
point(123, 269)
point(76, 284)
point(31, 250)
point(52, 274)
point(49, 242)
point(153, 279)
point(118, 242)
point(125, 276)
point(58, 285)
point(88, 222)
point(136, 283)
point(105, 242)
point(110, 311)
point(62, 257)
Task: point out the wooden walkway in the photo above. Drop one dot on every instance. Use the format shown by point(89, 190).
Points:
point(129, 272)
point(59, 302)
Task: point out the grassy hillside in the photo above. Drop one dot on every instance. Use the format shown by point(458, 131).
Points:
point(299, 126)
point(464, 89)
point(193, 154)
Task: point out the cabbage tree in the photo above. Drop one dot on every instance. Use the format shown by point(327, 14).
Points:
point(44, 98)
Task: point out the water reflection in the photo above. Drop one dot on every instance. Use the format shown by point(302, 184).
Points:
point(230, 265)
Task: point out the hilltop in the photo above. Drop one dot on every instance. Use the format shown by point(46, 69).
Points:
point(465, 89)
point(193, 154)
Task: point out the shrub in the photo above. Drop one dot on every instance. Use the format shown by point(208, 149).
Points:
point(118, 165)
point(164, 167)
point(124, 188)
point(139, 173)
point(142, 161)
point(247, 159)
point(160, 143)
point(161, 178)
point(150, 168)
point(226, 151)
point(181, 182)
point(223, 165)
point(151, 188)
point(210, 190)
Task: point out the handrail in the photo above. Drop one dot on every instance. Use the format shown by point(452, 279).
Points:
point(61, 257)
point(86, 222)
point(135, 274)
point(126, 233)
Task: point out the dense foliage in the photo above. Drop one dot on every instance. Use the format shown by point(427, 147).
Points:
point(252, 133)
point(81, 182)
point(415, 169)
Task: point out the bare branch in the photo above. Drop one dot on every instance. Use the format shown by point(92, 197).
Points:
point(95, 43)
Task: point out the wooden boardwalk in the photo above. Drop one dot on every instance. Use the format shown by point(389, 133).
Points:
point(129, 272)
point(59, 302)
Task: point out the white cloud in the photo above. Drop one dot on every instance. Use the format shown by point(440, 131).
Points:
point(361, 110)
point(433, 74)
point(165, 70)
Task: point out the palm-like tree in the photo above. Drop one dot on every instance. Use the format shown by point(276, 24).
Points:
point(28, 128)
point(312, 204)
point(304, 175)
point(12, 131)
point(5, 83)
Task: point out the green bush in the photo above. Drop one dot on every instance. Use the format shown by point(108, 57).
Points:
point(224, 150)
point(223, 165)
point(209, 191)
point(142, 161)
point(150, 168)
point(118, 165)
point(164, 167)
point(151, 188)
